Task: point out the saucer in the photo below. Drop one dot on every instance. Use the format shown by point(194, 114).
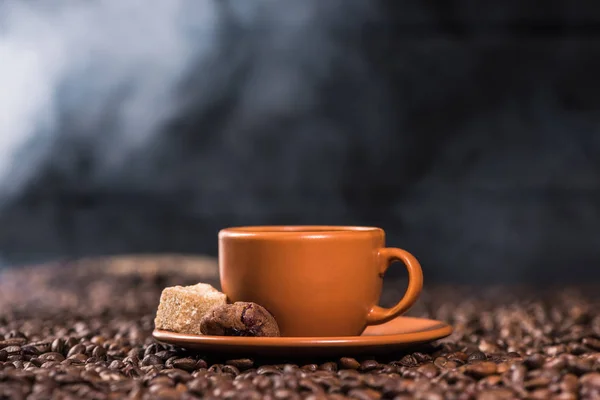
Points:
point(400, 333)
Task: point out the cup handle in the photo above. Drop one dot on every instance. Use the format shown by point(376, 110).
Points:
point(380, 315)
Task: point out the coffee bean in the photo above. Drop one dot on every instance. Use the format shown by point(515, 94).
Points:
point(349, 363)
point(409, 361)
point(98, 352)
point(310, 367)
point(541, 346)
point(431, 395)
point(476, 356)
point(241, 363)
point(496, 394)
point(12, 350)
point(70, 342)
point(590, 379)
point(368, 365)
point(186, 364)
point(58, 345)
point(198, 386)
point(165, 354)
point(481, 369)
point(428, 370)
point(569, 383)
point(329, 366)
point(539, 382)
point(78, 358)
point(458, 357)
point(261, 382)
point(216, 368)
point(52, 357)
point(565, 396)
point(580, 366)
point(118, 364)
point(517, 374)
point(421, 357)
point(308, 385)
point(49, 364)
point(30, 350)
point(364, 394)
point(440, 362)
point(230, 369)
point(534, 361)
point(151, 359)
point(165, 393)
point(77, 349)
point(267, 370)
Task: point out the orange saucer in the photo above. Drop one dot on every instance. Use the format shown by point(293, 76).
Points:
point(400, 333)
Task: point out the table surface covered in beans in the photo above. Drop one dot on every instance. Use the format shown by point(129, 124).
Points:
point(83, 330)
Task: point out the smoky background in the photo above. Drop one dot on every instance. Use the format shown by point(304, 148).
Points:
point(468, 130)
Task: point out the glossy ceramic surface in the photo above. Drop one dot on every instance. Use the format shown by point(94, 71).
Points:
point(315, 280)
point(400, 333)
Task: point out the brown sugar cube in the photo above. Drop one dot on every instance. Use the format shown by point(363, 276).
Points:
point(182, 307)
point(239, 319)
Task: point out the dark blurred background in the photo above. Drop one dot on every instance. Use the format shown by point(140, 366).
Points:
point(469, 130)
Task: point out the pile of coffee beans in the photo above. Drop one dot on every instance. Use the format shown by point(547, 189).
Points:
point(83, 330)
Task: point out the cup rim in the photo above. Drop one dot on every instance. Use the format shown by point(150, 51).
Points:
point(298, 231)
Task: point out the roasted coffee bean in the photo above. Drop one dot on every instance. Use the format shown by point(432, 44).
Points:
point(476, 356)
point(591, 379)
point(77, 349)
point(78, 358)
point(496, 394)
point(98, 352)
point(199, 386)
point(440, 362)
point(51, 357)
point(364, 394)
point(592, 343)
point(58, 345)
point(310, 367)
point(230, 369)
point(349, 363)
point(459, 357)
point(152, 349)
point(534, 361)
point(481, 369)
point(368, 365)
point(268, 370)
point(541, 346)
point(216, 368)
point(421, 357)
point(580, 366)
point(308, 385)
point(186, 364)
point(151, 359)
point(428, 370)
point(29, 350)
point(241, 363)
point(70, 342)
point(329, 366)
point(12, 350)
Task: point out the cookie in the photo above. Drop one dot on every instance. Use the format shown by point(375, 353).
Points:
point(239, 319)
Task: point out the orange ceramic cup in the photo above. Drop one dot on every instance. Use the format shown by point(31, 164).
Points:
point(315, 280)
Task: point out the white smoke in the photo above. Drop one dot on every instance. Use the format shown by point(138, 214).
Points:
point(107, 73)
point(70, 58)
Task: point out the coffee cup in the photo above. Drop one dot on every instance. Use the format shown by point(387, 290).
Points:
point(317, 281)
